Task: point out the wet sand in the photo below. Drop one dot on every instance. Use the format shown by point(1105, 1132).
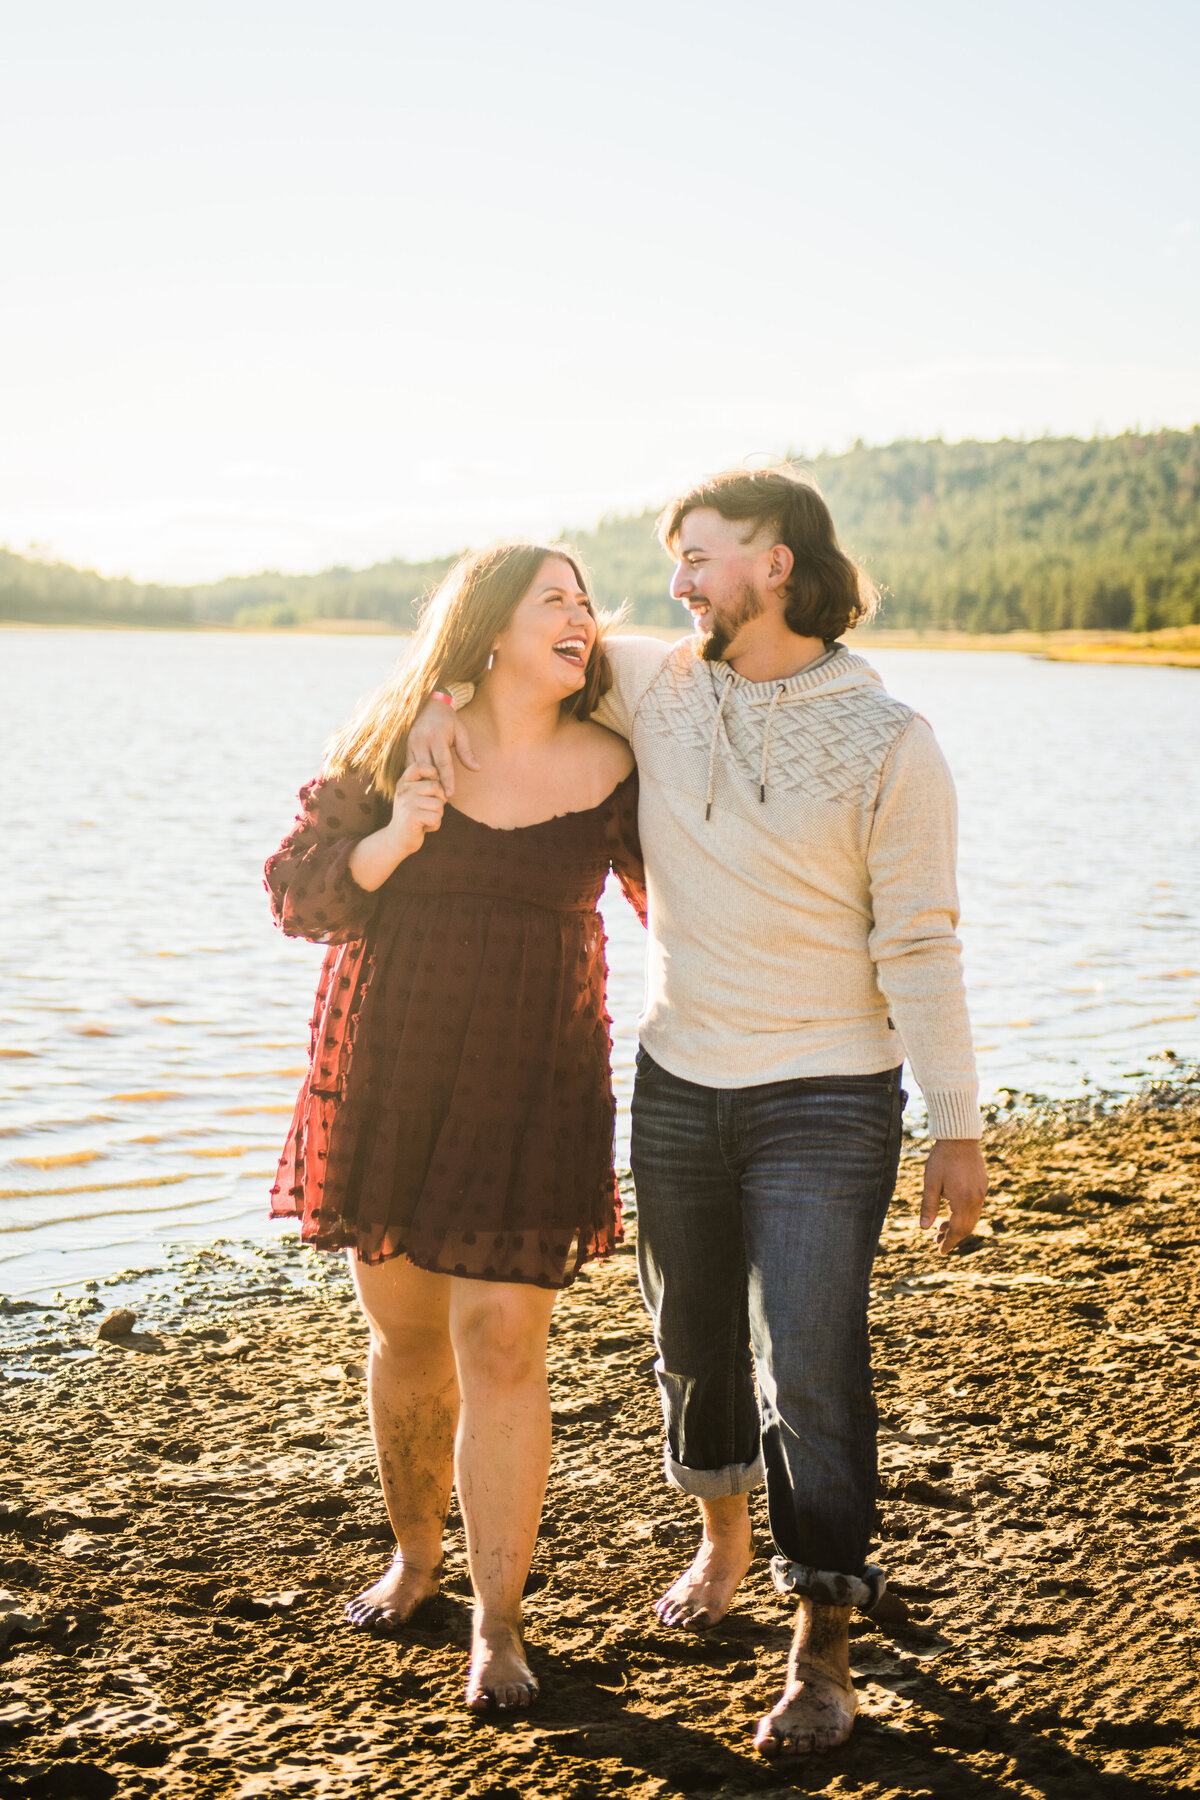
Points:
point(182, 1510)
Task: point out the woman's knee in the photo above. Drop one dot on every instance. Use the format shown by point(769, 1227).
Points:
point(403, 1343)
point(406, 1309)
point(499, 1342)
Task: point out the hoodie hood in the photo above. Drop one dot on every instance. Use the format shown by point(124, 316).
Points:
point(836, 672)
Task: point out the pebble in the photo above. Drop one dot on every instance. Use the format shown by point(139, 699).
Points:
point(891, 1609)
point(15, 1621)
point(81, 1543)
point(116, 1324)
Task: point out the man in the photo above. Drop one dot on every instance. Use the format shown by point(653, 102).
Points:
point(798, 826)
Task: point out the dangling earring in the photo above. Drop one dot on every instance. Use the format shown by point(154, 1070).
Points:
point(491, 659)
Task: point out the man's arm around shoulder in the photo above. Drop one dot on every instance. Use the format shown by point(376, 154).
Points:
point(634, 662)
point(440, 734)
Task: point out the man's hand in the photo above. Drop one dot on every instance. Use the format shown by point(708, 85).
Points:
point(956, 1169)
point(438, 736)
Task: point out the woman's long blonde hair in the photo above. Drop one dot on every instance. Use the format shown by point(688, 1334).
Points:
point(460, 623)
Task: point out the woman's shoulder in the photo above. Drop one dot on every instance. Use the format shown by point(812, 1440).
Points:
point(596, 762)
point(605, 752)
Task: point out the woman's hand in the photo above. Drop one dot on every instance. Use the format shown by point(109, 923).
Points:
point(417, 808)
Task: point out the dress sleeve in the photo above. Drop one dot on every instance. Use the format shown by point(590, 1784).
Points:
point(624, 845)
point(313, 894)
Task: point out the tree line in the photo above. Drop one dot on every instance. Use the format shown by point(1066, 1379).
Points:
point(1048, 534)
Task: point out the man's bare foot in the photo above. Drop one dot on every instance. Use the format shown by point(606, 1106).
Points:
point(817, 1707)
point(500, 1679)
point(392, 1600)
point(815, 1712)
point(701, 1596)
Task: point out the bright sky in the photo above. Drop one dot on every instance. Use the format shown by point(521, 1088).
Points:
point(286, 283)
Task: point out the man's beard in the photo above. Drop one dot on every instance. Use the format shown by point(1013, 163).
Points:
point(712, 645)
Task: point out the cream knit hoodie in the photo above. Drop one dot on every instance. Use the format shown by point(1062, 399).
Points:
point(799, 839)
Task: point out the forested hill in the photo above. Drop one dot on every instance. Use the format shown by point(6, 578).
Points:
point(1048, 535)
point(1055, 534)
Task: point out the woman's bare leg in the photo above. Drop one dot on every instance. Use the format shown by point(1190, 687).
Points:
point(412, 1401)
point(502, 1463)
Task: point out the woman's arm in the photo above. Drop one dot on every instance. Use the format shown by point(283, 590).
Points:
point(416, 808)
point(342, 848)
point(624, 846)
point(312, 892)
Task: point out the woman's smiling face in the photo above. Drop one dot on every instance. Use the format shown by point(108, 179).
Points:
point(553, 630)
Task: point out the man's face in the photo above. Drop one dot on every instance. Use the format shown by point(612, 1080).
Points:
point(720, 579)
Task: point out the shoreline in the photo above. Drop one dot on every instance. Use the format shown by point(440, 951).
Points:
point(1176, 649)
point(185, 1507)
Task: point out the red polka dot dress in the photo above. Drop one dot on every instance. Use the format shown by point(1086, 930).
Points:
point(458, 1108)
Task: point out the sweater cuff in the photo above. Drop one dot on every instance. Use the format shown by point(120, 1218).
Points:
point(954, 1113)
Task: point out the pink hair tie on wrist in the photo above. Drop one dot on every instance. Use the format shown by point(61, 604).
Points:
point(456, 694)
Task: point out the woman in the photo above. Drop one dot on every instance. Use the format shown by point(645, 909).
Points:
point(454, 1132)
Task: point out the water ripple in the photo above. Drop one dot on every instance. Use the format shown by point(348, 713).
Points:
point(148, 1001)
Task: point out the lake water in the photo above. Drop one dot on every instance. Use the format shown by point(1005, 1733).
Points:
point(153, 1022)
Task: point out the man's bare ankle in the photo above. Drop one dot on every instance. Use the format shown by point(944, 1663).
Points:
point(821, 1642)
point(808, 1668)
point(725, 1523)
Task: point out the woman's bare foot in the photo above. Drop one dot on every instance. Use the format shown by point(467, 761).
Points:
point(815, 1712)
point(817, 1707)
point(392, 1600)
point(702, 1593)
point(500, 1679)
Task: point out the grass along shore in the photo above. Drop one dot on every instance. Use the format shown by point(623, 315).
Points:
point(1179, 649)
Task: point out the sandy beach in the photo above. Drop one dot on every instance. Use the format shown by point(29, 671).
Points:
point(183, 1508)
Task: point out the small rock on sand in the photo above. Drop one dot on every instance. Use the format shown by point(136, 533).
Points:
point(116, 1324)
point(891, 1609)
point(16, 1620)
point(81, 1543)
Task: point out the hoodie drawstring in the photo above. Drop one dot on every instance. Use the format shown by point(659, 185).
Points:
point(776, 697)
point(712, 751)
point(762, 774)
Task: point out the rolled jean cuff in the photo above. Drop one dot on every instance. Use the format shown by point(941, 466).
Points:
point(715, 1484)
point(827, 1587)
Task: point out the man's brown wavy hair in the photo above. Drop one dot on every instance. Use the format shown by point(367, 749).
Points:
point(827, 592)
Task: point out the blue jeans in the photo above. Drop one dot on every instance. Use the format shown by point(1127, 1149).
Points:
point(759, 1211)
